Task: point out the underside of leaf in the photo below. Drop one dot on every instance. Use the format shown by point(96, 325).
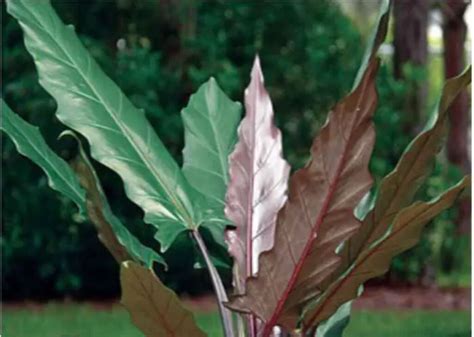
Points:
point(375, 260)
point(258, 181)
point(154, 308)
point(318, 215)
point(398, 188)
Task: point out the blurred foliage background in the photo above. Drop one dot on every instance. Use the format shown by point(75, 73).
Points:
point(159, 54)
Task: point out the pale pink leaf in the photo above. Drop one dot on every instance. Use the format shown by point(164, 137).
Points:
point(258, 181)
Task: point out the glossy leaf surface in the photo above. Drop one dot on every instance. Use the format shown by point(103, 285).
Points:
point(375, 260)
point(398, 188)
point(334, 326)
point(318, 215)
point(210, 132)
point(258, 181)
point(30, 143)
point(90, 103)
point(154, 308)
point(63, 179)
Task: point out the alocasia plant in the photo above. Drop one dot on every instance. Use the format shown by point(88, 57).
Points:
point(257, 189)
point(302, 245)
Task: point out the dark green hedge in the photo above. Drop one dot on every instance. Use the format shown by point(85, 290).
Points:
point(159, 55)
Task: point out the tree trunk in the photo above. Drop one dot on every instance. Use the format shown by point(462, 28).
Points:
point(411, 47)
point(454, 37)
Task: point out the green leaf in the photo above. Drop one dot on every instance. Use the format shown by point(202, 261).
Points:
point(210, 126)
point(167, 234)
point(112, 233)
point(30, 143)
point(335, 325)
point(120, 136)
point(62, 178)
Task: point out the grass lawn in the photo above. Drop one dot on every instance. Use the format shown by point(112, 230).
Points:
point(81, 320)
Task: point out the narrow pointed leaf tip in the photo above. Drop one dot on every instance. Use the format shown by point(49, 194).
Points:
point(377, 38)
point(399, 187)
point(319, 213)
point(154, 308)
point(258, 181)
point(119, 134)
point(375, 260)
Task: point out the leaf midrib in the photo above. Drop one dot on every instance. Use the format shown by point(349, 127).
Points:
point(372, 251)
point(155, 174)
point(220, 153)
point(250, 202)
point(162, 316)
point(331, 190)
point(405, 178)
point(432, 132)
